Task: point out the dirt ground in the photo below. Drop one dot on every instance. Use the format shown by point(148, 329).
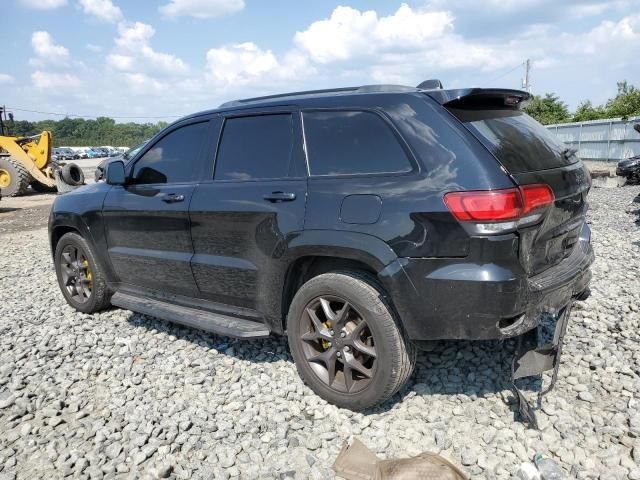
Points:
point(31, 211)
point(24, 213)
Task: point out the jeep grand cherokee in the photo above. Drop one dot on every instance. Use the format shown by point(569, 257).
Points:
point(357, 221)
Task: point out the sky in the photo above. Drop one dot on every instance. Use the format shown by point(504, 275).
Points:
point(147, 60)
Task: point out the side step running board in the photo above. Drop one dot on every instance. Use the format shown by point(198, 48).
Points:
point(191, 317)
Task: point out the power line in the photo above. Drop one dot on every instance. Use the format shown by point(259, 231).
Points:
point(20, 109)
point(506, 73)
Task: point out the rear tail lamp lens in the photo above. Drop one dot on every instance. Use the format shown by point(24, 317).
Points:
point(498, 205)
point(535, 197)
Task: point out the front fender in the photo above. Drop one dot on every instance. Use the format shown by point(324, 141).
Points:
point(81, 210)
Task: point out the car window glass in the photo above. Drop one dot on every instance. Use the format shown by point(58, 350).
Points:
point(174, 158)
point(517, 140)
point(255, 147)
point(352, 142)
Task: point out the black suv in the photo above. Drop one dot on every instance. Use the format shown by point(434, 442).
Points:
point(358, 221)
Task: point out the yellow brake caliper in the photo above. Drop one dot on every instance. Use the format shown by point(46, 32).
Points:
point(85, 265)
point(325, 343)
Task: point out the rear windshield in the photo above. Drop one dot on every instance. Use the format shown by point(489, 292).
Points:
point(519, 142)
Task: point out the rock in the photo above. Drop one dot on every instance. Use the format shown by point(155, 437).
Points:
point(586, 397)
point(6, 400)
point(443, 442)
point(113, 450)
point(469, 456)
point(139, 457)
point(528, 471)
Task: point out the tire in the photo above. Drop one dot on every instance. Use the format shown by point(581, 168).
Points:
point(98, 297)
point(395, 355)
point(42, 188)
point(72, 174)
point(14, 178)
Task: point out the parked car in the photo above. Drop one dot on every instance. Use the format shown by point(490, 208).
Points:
point(64, 153)
point(82, 153)
point(93, 153)
point(360, 222)
point(68, 153)
point(630, 167)
point(111, 151)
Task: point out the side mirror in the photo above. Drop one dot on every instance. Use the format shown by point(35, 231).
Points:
point(114, 173)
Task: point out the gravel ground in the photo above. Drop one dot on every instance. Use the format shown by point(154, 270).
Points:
point(121, 394)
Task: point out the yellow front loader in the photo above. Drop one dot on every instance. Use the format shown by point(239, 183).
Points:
point(26, 161)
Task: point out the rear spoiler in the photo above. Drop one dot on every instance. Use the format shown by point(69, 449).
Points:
point(480, 97)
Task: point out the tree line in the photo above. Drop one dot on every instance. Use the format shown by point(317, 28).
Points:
point(548, 108)
point(77, 132)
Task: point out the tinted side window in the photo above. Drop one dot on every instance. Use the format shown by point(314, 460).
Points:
point(255, 147)
point(352, 142)
point(174, 158)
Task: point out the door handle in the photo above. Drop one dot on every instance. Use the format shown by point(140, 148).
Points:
point(279, 197)
point(172, 198)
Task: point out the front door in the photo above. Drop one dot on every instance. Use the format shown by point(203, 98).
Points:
point(242, 218)
point(147, 221)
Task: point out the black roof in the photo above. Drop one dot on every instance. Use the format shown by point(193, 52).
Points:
point(321, 93)
point(443, 96)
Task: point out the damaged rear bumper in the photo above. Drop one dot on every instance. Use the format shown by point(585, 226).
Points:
point(531, 360)
point(472, 299)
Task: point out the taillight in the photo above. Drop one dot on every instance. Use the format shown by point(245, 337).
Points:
point(536, 196)
point(499, 210)
point(485, 206)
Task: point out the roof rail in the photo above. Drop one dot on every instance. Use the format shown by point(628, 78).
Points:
point(310, 93)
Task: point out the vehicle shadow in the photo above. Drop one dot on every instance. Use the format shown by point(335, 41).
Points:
point(476, 369)
point(9, 209)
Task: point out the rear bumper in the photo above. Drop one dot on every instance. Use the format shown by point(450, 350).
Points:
point(465, 299)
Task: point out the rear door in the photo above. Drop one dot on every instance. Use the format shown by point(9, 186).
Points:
point(147, 221)
point(532, 154)
point(253, 202)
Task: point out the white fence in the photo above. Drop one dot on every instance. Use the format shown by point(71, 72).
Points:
point(604, 140)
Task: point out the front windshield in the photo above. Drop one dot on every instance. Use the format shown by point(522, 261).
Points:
point(132, 152)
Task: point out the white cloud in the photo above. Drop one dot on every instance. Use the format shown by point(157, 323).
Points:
point(144, 83)
point(5, 78)
point(239, 64)
point(201, 8)
point(403, 47)
point(54, 82)
point(105, 10)
point(94, 48)
point(349, 33)
point(235, 66)
point(48, 51)
point(44, 4)
point(348, 47)
point(120, 62)
point(133, 51)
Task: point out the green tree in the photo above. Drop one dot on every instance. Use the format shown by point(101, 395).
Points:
point(626, 103)
point(586, 111)
point(548, 109)
point(80, 132)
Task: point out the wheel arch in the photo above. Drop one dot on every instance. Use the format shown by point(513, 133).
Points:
point(61, 223)
point(315, 252)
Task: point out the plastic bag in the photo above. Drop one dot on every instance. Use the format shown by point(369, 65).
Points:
point(357, 462)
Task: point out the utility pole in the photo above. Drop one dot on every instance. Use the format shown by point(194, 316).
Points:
point(525, 80)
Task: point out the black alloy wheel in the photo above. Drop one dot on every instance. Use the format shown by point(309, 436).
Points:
point(338, 344)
